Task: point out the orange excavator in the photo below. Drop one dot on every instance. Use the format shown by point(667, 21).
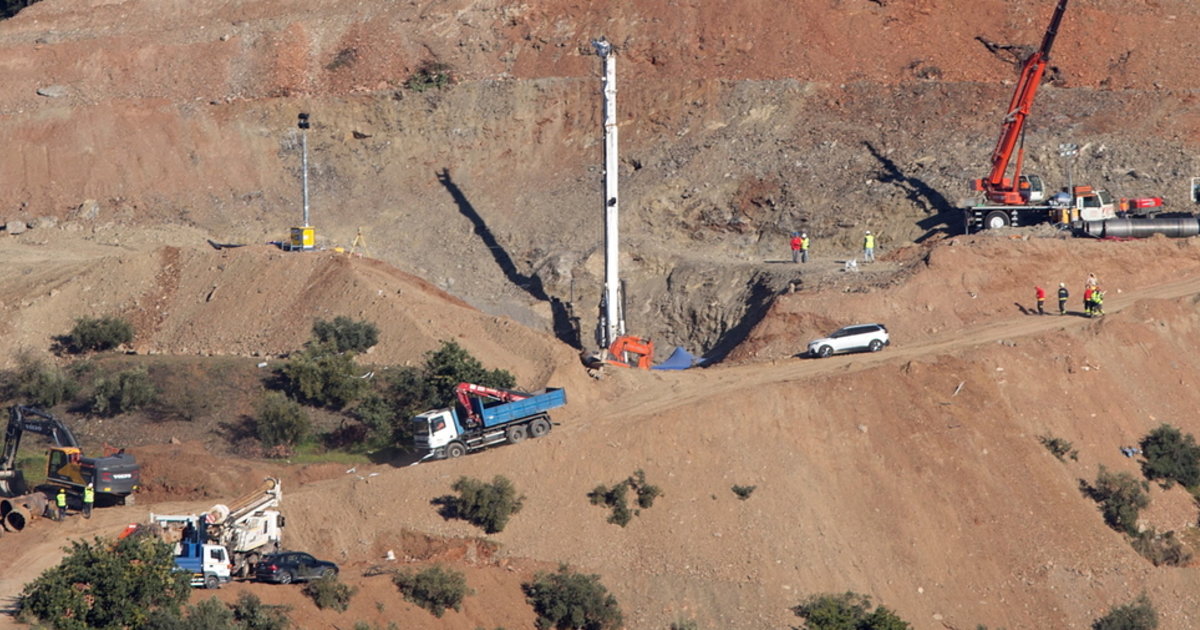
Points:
point(631, 351)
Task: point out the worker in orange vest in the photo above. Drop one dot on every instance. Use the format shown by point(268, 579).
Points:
point(1041, 299)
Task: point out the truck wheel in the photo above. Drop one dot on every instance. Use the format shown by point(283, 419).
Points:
point(515, 434)
point(995, 220)
point(211, 582)
point(455, 450)
point(539, 427)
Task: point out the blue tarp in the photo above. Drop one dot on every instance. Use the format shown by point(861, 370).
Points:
point(679, 360)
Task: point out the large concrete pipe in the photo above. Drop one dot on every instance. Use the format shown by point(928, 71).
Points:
point(17, 519)
point(35, 503)
point(1175, 227)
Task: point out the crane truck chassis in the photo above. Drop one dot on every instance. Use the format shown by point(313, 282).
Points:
point(490, 416)
point(225, 541)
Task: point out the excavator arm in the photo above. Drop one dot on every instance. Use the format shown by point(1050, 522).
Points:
point(27, 419)
point(997, 187)
point(23, 419)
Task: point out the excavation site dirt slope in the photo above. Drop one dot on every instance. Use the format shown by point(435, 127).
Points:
point(914, 475)
point(137, 131)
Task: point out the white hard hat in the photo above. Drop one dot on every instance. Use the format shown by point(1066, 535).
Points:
point(804, 234)
point(868, 231)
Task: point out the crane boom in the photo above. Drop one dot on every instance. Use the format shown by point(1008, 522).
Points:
point(997, 187)
point(464, 392)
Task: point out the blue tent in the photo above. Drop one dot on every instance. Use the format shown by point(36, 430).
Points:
point(679, 360)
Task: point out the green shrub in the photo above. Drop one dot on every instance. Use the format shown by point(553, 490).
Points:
point(1171, 456)
point(568, 600)
point(1121, 497)
point(684, 624)
point(743, 492)
point(97, 334)
point(281, 421)
point(450, 365)
point(1059, 447)
point(484, 505)
point(319, 376)
point(345, 334)
point(615, 497)
point(107, 585)
point(384, 426)
point(430, 75)
point(1161, 549)
point(403, 392)
point(209, 614)
point(435, 589)
point(252, 614)
point(40, 384)
point(1139, 615)
point(847, 611)
point(362, 625)
point(330, 592)
point(122, 392)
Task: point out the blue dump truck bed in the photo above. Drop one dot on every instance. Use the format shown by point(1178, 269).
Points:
point(501, 413)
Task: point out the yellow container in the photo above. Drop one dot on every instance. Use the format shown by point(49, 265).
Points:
point(303, 238)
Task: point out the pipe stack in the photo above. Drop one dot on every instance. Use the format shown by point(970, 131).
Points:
point(1175, 227)
point(17, 512)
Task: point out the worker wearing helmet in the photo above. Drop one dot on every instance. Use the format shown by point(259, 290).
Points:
point(803, 247)
point(89, 499)
point(1063, 294)
point(60, 500)
point(797, 245)
point(869, 247)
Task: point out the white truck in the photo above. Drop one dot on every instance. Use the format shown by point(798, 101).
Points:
point(244, 532)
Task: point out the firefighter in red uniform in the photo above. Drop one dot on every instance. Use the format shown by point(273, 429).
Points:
point(1041, 299)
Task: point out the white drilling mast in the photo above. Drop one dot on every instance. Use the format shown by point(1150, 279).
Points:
point(612, 323)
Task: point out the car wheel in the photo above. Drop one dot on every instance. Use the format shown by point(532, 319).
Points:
point(455, 450)
point(824, 351)
point(328, 572)
point(995, 220)
point(285, 577)
point(876, 345)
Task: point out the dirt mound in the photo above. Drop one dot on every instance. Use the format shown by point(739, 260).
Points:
point(253, 301)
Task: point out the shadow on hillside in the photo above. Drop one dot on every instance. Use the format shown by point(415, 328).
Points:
point(761, 296)
point(566, 324)
point(946, 219)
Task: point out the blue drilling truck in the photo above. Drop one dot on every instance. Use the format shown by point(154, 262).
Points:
point(490, 416)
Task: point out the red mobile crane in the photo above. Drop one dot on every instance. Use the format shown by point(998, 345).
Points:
point(1021, 199)
point(1020, 189)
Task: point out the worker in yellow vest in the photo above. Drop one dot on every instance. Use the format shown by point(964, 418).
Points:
point(869, 247)
point(803, 247)
point(61, 501)
point(89, 499)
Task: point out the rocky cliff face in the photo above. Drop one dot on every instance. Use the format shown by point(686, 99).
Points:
point(739, 124)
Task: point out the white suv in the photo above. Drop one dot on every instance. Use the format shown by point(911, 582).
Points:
point(870, 337)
